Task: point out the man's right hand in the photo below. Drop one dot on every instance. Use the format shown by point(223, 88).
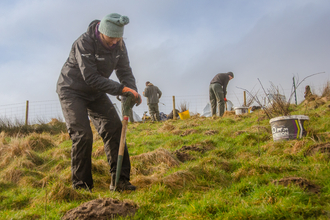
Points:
point(130, 92)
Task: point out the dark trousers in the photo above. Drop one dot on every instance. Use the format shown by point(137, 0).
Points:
point(77, 111)
point(154, 111)
point(217, 99)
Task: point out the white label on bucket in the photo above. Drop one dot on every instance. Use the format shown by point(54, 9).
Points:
point(280, 133)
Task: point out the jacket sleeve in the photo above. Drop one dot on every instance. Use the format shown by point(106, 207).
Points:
point(146, 93)
point(124, 71)
point(225, 81)
point(159, 92)
point(85, 57)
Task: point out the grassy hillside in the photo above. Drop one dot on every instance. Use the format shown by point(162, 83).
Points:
point(200, 168)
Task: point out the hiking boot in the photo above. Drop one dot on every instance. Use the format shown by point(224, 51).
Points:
point(83, 187)
point(122, 185)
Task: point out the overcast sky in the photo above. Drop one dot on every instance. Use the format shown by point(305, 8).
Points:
point(179, 45)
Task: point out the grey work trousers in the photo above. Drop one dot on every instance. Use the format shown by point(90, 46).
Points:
point(77, 111)
point(154, 111)
point(217, 99)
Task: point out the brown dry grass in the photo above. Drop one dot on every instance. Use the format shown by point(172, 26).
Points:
point(63, 137)
point(40, 142)
point(96, 135)
point(158, 161)
point(297, 146)
point(50, 178)
point(175, 180)
point(316, 102)
point(326, 90)
point(100, 166)
point(166, 127)
point(142, 181)
point(60, 192)
point(243, 172)
point(177, 132)
point(30, 181)
point(29, 160)
point(228, 113)
point(188, 132)
point(211, 132)
point(16, 148)
point(61, 154)
point(178, 179)
point(189, 124)
point(12, 174)
point(99, 151)
point(3, 138)
point(62, 165)
point(260, 129)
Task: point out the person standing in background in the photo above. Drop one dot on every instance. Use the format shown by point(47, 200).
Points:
point(153, 95)
point(218, 92)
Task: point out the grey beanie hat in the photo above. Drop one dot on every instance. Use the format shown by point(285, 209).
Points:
point(231, 74)
point(112, 25)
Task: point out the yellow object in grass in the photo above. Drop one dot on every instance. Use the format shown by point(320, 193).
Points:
point(184, 115)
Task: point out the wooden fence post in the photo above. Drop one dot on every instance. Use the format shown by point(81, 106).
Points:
point(27, 113)
point(174, 112)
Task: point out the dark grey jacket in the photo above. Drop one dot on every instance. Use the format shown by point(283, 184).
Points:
point(152, 93)
point(222, 79)
point(87, 70)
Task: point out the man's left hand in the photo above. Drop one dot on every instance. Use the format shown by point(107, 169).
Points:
point(130, 92)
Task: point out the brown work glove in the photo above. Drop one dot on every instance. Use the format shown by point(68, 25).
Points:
point(130, 92)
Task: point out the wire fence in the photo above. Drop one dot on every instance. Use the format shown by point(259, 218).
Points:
point(44, 111)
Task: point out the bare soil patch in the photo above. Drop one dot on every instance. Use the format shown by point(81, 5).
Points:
point(301, 182)
point(177, 132)
point(183, 153)
point(318, 148)
point(188, 131)
point(211, 132)
point(102, 209)
point(237, 133)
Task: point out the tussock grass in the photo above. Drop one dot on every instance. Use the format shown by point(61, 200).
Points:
point(63, 136)
point(166, 127)
point(3, 140)
point(18, 128)
point(60, 192)
point(12, 174)
point(99, 151)
point(178, 179)
point(100, 167)
point(326, 90)
point(15, 149)
point(158, 161)
point(40, 142)
point(61, 153)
